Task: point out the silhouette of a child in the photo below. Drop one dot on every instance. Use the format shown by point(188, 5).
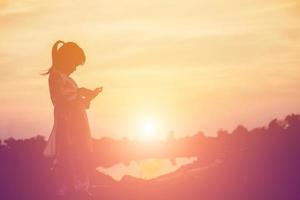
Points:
point(70, 140)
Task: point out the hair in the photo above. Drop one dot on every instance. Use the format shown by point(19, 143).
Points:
point(69, 52)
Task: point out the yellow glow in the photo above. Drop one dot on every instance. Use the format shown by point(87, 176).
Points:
point(148, 130)
point(151, 167)
point(190, 64)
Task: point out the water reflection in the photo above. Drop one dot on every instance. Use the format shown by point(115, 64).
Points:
point(146, 169)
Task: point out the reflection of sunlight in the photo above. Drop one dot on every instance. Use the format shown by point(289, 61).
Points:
point(146, 169)
point(151, 167)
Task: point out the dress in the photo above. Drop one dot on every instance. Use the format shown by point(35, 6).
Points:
point(70, 139)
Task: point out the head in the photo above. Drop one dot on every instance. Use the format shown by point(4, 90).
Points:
point(66, 57)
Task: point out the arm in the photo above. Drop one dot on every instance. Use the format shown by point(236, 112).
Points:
point(65, 94)
point(88, 95)
point(84, 92)
point(60, 95)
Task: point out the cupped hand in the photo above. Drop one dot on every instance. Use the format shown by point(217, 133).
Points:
point(96, 92)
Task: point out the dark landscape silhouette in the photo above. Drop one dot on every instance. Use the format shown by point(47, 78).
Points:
point(262, 163)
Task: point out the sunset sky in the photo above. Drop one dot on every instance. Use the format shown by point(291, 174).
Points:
point(181, 65)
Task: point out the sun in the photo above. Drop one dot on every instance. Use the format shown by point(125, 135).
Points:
point(148, 130)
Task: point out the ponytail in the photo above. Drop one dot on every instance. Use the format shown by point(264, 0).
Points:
point(54, 56)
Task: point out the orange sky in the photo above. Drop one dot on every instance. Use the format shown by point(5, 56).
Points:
point(187, 65)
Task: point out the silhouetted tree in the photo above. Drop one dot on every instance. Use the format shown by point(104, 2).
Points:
point(262, 163)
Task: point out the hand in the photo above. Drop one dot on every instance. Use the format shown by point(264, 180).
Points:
point(96, 92)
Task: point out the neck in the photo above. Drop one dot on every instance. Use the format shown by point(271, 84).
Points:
point(61, 70)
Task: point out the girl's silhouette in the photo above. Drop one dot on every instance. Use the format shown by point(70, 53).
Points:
point(70, 140)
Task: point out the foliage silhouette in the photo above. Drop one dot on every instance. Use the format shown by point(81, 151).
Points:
point(262, 163)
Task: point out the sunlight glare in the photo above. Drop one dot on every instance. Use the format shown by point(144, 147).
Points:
point(148, 130)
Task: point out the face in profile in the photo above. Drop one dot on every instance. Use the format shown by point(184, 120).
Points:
point(70, 67)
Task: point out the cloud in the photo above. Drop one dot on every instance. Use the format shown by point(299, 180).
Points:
point(200, 47)
point(18, 12)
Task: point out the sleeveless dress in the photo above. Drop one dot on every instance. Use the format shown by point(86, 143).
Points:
point(70, 140)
